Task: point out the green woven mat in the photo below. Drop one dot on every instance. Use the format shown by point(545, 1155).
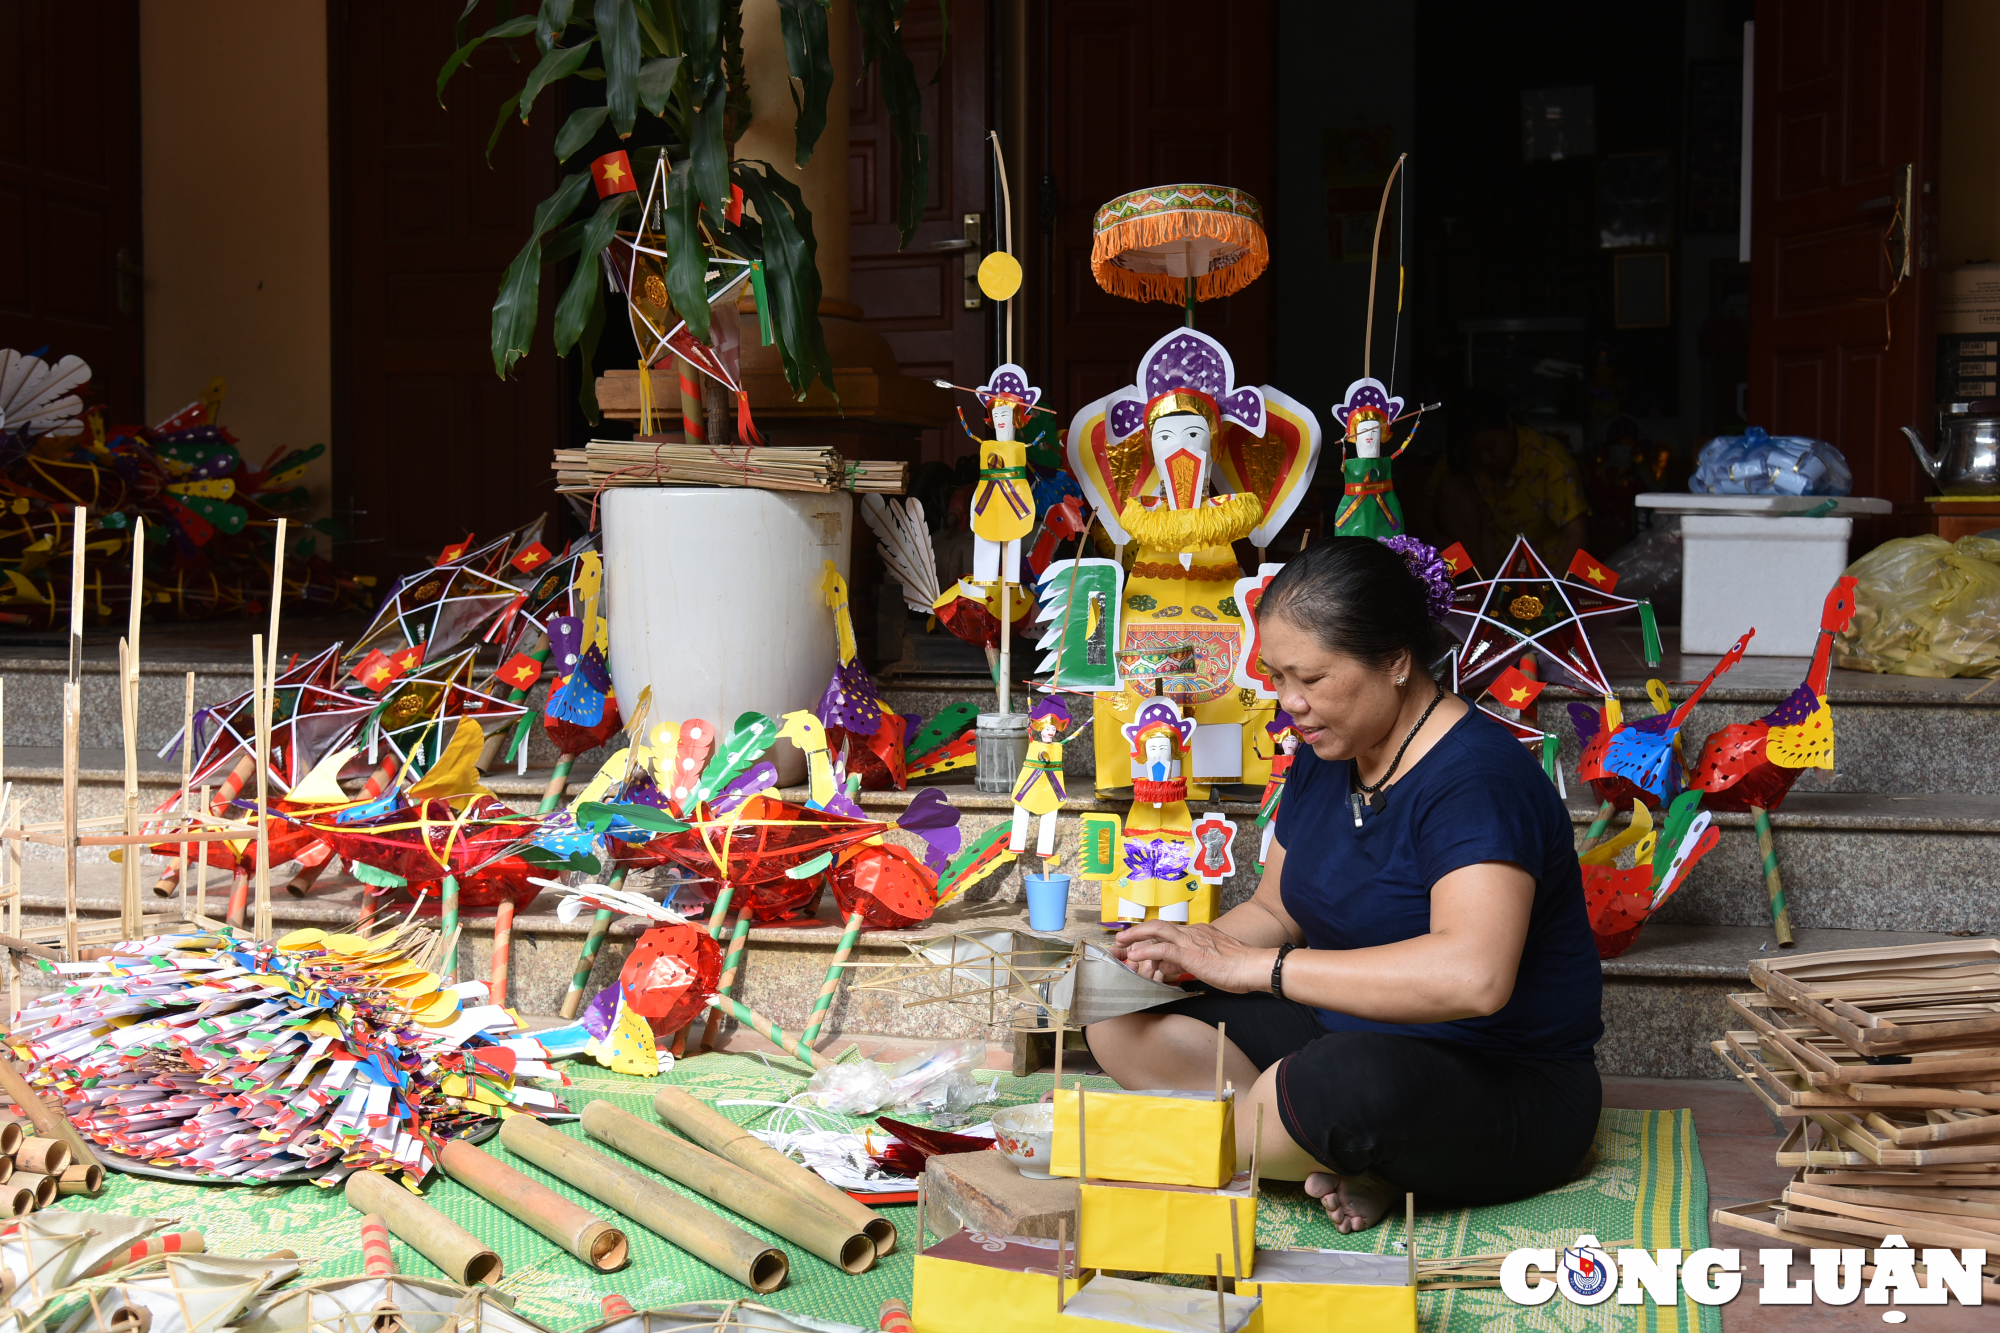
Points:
point(1648, 1188)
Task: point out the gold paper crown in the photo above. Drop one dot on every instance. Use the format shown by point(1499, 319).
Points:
point(1176, 401)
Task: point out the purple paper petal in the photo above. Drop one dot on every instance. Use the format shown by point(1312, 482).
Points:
point(597, 1015)
point(851, 701)
point(935, 820)
point(760, 777)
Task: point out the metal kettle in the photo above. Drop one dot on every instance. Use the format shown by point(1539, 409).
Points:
point(1967, 461)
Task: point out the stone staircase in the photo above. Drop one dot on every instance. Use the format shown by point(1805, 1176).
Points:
point(1899, 843)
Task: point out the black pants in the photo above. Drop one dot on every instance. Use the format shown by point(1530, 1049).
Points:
point(1445, 1120)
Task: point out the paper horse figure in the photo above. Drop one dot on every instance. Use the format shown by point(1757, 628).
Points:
point(1637, 761)
point(1620, 901)
point(1754, 764)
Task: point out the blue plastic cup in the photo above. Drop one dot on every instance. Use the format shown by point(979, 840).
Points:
point(1048, 901)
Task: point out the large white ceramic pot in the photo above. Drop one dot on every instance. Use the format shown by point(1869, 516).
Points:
point(713, 600)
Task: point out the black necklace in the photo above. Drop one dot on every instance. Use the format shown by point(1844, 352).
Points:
point(1368, 791)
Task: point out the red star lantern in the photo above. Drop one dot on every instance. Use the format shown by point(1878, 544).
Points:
point(1588, 570)
point(532, 557)
point(1514, 690)
point(1525, 609)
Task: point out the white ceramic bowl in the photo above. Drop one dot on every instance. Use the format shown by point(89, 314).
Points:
point(1025, 1134)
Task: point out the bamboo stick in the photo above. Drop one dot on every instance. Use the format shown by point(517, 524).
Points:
point(70, 705)
point(768, 1030)
point(172, 1242)
point(727, 1139)
point(730, 965)
point(268, 700)
point(713, 1239)
point(590, 1238)
point(128, 713)
point(1595, 833)
point(824, 1000)
point(377, 1259)
point(586, 959)
point(1781, 915)
point(448, 924)
point(47, 1120)
point(819, 1232)
point(464, 1258)
point(16, 1201)
point(181, 804)
point(718, 913)
point(1374, 259)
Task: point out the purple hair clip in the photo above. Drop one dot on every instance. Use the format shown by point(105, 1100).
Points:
point(1430, 569)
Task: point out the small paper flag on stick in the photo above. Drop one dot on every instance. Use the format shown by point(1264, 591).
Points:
point(1513, 689)
point(1457, 559)
point(1588, 570)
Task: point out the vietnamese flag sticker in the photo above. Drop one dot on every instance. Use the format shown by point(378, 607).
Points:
point(532, 557)
point(1515, 690)
point(377, 670)
point(1456, 559)
point(613, 175)
point(520, 672)
point(455, 551)
point(1587, 569)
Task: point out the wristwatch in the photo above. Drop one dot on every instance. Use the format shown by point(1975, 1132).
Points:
point(1278, 970)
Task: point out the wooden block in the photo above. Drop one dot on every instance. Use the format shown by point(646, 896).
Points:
point(986, 1193)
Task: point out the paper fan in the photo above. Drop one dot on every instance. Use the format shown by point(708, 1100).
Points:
point(39, 397)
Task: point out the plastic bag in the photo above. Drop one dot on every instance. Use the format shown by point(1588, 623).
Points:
point(1755, 463)
point(938, 1079)
point(1925, 607)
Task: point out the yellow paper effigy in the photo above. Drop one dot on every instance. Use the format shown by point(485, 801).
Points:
point(1308, 1291)
point(976, 1283)
point(1148, 1137)
point(1130, 1227)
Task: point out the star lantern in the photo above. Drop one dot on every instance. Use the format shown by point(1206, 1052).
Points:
point(1525, 609)
point(308, 718)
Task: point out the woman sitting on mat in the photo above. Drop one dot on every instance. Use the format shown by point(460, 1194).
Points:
point(1413, 990)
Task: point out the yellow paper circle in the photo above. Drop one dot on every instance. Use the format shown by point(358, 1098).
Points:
point(302, 939)
point(999, 275)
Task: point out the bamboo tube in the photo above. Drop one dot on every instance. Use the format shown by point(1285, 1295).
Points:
point(831, 1238)
point(1781, 915)
point(714, 1240)
point(768, 1030)
point(824, 1000)
point(47, 1120)
point(895, 1316)
point(727, 1139)
point(42, 1156)
point(503, 941)
point(301, 884)
point(614, 1306)
point(11, 1135)
point(377, 1259)
point(42, 1187)
point(464, 1258)
point(730, 964)
point(6, 1169)
point(17, 1200)
point(590, 1238)
point(600, 924)
point(173, 1242)
point(85, 1180)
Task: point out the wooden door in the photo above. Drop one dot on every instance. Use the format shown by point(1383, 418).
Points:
point(69, 191)
point(429, 443)
point(1846, 107)
point(917, 297)
point(1126, 94)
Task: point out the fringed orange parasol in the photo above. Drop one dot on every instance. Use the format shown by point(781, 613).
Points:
point(1150, 243)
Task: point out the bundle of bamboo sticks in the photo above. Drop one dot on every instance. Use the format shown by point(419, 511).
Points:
point(605, 463)
point(1887, 1064)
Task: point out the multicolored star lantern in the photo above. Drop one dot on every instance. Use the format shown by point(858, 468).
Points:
point(437, 611)
point(421, 710)
point(1526, 609)
point(308, 718)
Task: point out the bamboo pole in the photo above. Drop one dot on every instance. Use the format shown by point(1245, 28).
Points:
point(714, 1178)
point(1781, 914)
point(503, 940)
point(464, 1257)
point(128, 700)
point(713, 1239)
point(1595, 833)
point(1374, 260)
point(768, 1030)
point(239, 891)
point(600, 925)
point(727, 1139)
point(47, 1119)
point(824, 1000)
point(71, 704)
point(43, 1156)
point(730, 965)
point(590, 1238)
point(377, 1259)
point(448, 924)
point(269, 701)
point(85, 1180)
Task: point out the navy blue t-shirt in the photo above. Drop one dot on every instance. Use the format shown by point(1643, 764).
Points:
point(1477, 795)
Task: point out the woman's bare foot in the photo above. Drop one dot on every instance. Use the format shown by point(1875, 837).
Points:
point(1353, 1203)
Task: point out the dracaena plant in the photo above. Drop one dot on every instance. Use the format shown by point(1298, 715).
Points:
point(672, 72)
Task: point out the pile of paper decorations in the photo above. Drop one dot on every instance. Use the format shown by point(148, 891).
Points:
point(314, 1056)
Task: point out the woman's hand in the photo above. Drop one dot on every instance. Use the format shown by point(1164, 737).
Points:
point(1164, 950)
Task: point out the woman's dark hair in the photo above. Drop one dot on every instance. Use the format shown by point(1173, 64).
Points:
point(1359, 599)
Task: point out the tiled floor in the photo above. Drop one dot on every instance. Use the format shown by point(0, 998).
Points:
point(1738, 1141)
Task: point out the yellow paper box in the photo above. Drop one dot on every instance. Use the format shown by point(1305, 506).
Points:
point(1309, 1291)
point(1116, 1302)
point(1155, 1138)
point(977, 1283)
point(1167, 1228)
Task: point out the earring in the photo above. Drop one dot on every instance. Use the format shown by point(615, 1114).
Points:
point(1401, 680)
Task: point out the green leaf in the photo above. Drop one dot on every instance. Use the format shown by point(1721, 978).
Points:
point(581, 127)
point(618, 30)
point(656, 82)
point(791, 274)
point(665, 40)
point(708, 94)
point(687, 260)
point(553, 20)
point(882, 48)
point(514, 27)
point(809, 56)
point(514, 309)
point(506, 114)
point(701, 32)
point(573, 309)
point(593, 329)
point(558, 64)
